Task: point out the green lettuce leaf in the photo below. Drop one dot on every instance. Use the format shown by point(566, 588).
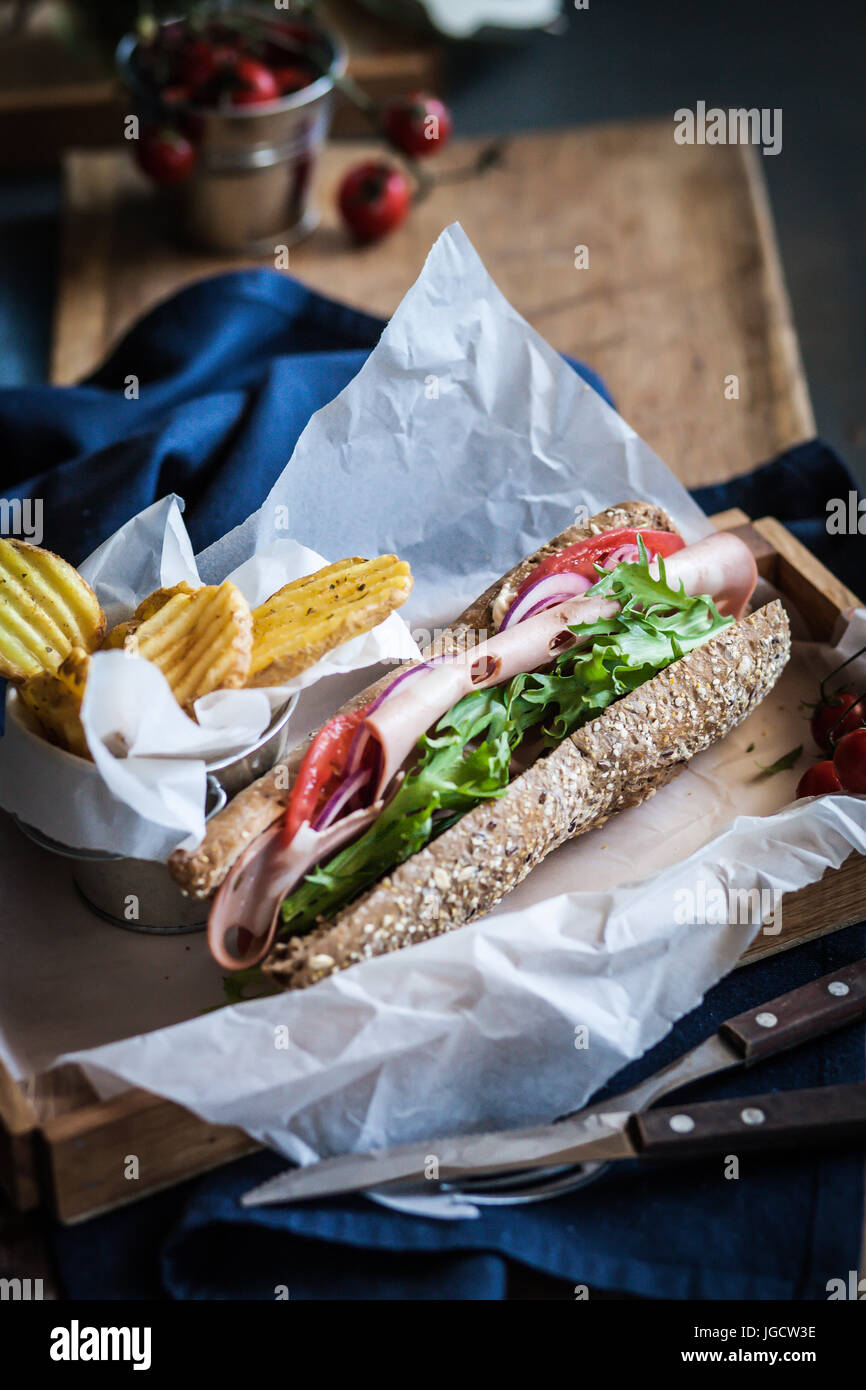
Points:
point(453, 773)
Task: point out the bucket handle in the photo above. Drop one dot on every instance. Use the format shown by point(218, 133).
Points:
point(220, 796)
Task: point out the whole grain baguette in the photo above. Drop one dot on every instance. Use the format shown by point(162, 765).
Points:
point(613, 762)
point(200, 871)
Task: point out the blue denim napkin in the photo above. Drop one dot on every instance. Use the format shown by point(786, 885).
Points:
point(228, 372)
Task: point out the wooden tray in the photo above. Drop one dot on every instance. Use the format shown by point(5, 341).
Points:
point(60, 1146)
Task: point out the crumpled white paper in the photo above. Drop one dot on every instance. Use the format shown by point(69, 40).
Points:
point(150, 757)
point(476, 1029)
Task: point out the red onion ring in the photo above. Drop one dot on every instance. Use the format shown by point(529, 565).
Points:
point(545, 593)
point(335, 804)
point(398, 680)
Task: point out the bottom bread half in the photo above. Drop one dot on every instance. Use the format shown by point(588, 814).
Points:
point(616, 761)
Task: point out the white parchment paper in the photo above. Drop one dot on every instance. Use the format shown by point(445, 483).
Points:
point(463, 442)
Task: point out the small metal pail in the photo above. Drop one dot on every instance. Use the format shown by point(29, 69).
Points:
point(250, 190)
point(107, 882)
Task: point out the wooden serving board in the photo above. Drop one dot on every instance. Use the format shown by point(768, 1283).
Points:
point(682, 292)
point(61, 1147)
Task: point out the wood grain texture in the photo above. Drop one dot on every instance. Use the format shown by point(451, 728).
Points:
point(19, 1122)
point(683, 289)
point(90, 1151)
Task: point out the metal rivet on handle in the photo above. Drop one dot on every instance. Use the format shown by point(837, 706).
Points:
point(838, 987)
point(766, 1020)
point(681, 1124)
point(752, 1115)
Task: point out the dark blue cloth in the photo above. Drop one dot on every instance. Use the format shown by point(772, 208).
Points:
point(228, 374)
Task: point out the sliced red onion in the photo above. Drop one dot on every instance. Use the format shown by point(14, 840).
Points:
point(398, 680)
point(545, 593)
point(335, 804)
point(545, 603)
point(358, 745)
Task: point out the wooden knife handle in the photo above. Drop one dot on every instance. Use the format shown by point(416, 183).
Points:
point(807, 1012)
point(825, 1115)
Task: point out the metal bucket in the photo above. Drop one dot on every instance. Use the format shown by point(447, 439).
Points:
point(250, 189)
point(140, 894)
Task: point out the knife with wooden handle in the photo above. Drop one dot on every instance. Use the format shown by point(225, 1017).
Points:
point(825, 1115)
point(621, 1127)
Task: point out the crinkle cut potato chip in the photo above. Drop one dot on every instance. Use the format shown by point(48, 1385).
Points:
point(54, 698)
point(159, 599)
point(201, 640)
point(46, 609)
point(304, 620)
point(116, 639)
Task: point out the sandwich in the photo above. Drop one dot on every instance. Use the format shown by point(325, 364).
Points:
point(617, 653)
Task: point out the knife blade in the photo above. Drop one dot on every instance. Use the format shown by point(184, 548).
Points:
point(770, 1028)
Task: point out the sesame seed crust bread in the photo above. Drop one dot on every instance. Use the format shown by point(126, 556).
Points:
point(614, 762)
point(200, 871)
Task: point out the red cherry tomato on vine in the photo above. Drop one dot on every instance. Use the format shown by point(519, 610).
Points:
point(819, 780)
point(253, 83)
point(374, 198)
point(844, 710)
point(165, 155)
point(849, 760)
point(419, 125)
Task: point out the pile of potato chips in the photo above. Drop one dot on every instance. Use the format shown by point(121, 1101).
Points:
point(202, 639)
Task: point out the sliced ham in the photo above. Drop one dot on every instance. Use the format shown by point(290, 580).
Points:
point(249, 899)
point(722, 566)
point(394, 728)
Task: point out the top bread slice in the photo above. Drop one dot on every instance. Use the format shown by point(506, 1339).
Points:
point(200, 871)
point(616, 761)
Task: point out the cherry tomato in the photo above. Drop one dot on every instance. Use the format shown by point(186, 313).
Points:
point(832, 712)
point(849, 760)
point(321, 770)
point(374, 198)
point(200, 62)
point(419, 125)
point(253, 83)
point(165, 155)
point(291, 78)
point(583, 557)
point(818, 780)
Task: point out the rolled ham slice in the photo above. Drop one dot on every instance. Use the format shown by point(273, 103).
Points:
point(721, 565)
point(250, 898)
point(395, 727)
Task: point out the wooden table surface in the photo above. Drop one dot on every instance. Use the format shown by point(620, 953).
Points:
point(683, 289)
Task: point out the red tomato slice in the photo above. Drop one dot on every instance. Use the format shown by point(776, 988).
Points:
point(583, 557)
point(321, 771)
